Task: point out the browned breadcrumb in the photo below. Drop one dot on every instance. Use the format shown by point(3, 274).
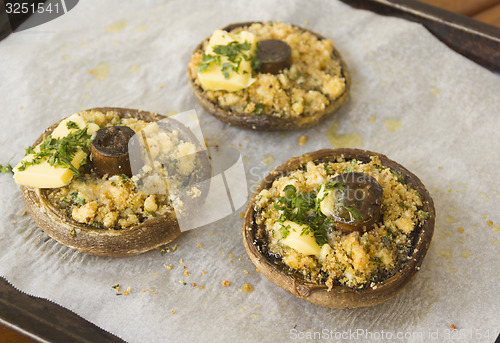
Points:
point(181, 261)
point(175, 247)
point(242, 214)
point(184, 267)
point(172, 311)
point(302, 140)
point(144, 290)
point(247, 288)
point(199, 245)
point(203, 271)
point(154, 292)
point(193, 284)
point(453, 327)
point(225, 283)
point(127, 291)
point(187, 273)
point(14, 222)
point(202, 287)
point(222, 252)
point(168, 266)
point(231, 255)
point(24, 213)
point(489, 222)
point(245, 271)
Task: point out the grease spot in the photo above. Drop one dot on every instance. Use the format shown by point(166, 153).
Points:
point(343, 140)
point(134, 68)
point(373, 119)
point(450, 219)
point(435, 90)
point(466, 253)
point(101, 72)
point(495, 228)
point(494, 241)
point(268, 159)
point(392, 124)
point(484, 196)
point(445, 253)
point(141, 28)
point(116, 26)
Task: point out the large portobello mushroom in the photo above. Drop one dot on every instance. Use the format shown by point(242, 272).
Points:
point(338, 295)
point(113, 242)
point(277, 59)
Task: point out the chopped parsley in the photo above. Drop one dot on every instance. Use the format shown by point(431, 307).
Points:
point(73, 233)
point(258, 108)
point(72, 125)
point(235, 53)
point(301, 208)
point(354, 213)
point(76, 200)
point(59, 152)
point(425, 214)
point(6, 168)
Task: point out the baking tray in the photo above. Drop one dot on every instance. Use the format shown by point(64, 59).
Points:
point(28, 315)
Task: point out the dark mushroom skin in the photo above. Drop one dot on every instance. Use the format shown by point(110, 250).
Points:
point(274, 55)
point(268, 122)
point(137, 239)
point(109, 151)
point(358, 202)
point(339, 296)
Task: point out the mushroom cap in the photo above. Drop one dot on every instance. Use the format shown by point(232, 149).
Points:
point(266, 122)
point(134, 240)
point(339, 296)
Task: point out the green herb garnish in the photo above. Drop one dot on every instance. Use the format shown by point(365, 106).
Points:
point(72, 125)
point(76, 200)
point(6, 168)
point(73, 233)
point(301, 208)
point(285, 231)
point(258, 108)
point(387, 242)
point(376, 259)
point(425, 214)
point(354, 213)
point(206, 60)
point(59, 152)
point(234, 51)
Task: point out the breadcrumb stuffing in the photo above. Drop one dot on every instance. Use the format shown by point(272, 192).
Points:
point(225, 283)
point(352, 259)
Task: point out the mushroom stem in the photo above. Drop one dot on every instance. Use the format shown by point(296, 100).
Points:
point(109, 151)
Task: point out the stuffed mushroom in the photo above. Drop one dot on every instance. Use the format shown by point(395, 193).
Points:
point(339, 228)
point(268, 76)
point(90, 184)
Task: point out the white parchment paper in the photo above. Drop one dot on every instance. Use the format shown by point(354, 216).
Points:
point(412, 99)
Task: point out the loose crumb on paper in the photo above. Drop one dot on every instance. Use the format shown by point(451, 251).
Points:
point(302, 140)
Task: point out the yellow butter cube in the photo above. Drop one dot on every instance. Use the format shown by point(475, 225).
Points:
point(43, 175)
point(304, 243)
point(213, 78)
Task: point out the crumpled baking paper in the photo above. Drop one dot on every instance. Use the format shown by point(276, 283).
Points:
point(412, 99)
